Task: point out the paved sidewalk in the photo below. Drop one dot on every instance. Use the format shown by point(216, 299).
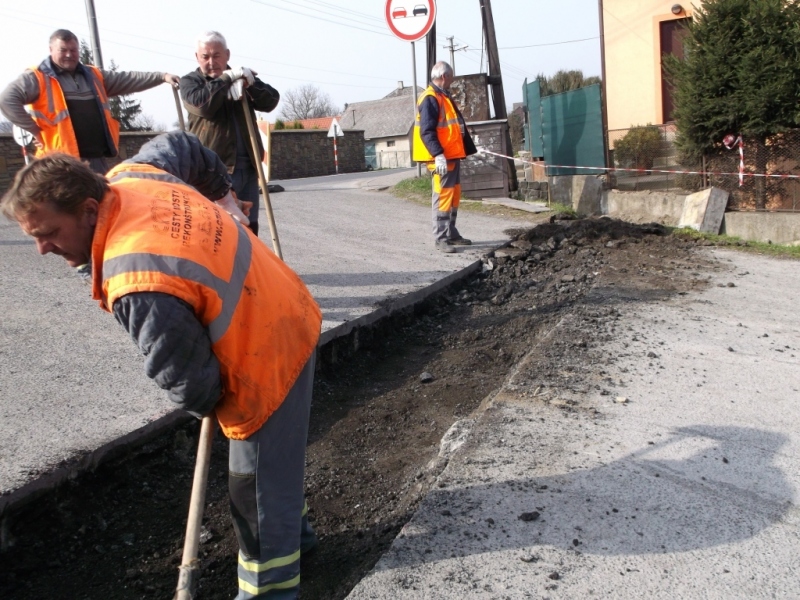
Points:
point(688, 490)
point(72, 386)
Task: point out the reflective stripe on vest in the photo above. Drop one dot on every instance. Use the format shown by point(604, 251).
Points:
point(229, 291)
point(448, 130)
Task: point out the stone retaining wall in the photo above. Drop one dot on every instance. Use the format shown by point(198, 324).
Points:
point(309, 153)
point(295, 153)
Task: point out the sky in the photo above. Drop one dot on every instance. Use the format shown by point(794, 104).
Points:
point(344, 47)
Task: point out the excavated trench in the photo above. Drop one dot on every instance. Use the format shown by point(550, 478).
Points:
point(378, 417)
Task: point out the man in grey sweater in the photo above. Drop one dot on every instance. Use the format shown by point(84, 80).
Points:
point(69, 100)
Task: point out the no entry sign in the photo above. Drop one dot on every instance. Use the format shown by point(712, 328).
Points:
point(410, 20)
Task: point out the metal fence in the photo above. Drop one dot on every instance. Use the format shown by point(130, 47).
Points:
point(653, 148)
point(650, 147)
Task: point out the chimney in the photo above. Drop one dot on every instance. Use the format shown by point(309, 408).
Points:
point(399, 85)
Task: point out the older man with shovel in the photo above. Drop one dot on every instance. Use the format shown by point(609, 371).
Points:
point(211, 94)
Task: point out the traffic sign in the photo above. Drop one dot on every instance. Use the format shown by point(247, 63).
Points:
point(21, 136)
point(335, 130)
point(410, 20)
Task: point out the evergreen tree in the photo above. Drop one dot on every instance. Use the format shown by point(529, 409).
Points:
point(563, 81)
point(124, 109)
point(740, 75)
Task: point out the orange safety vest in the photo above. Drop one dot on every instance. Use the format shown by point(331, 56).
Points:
point(156, 234)
point(50, 113)
point(448, 130)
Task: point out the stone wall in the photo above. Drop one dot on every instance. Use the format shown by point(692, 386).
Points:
point(295, 153)
point(11, 159)
point(309, 153)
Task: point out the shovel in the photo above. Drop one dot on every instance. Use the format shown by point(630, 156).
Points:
point(189, 570)
point(262, 180)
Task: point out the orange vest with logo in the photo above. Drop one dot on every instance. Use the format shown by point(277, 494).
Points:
point(448, 130)
point(51, 115)
point(156, 234)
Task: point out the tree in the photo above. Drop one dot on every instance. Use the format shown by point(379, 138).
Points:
point(564, 81)
point(124, 109)
point(740, 75)
point(306, 102)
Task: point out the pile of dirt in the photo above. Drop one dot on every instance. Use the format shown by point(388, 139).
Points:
point(377, 422)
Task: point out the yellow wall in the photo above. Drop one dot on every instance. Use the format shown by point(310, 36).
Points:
point(633, 61)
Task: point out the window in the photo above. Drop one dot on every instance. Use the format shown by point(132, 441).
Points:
point(390, 143)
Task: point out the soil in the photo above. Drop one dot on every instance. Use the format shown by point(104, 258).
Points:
point(376, 424)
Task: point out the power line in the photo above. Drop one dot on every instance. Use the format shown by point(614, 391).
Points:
point(596, 37)
point(261, 60)
point(321, 19)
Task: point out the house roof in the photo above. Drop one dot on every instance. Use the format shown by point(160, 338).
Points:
point(391, 116)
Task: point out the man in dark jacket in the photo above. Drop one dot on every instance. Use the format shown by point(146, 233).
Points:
point(211, 95)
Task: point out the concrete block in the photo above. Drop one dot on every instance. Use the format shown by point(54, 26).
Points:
point(703, 211)
point(778, 227)
point(648, 206)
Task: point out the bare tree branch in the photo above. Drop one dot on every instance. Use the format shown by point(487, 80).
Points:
point(306, 102)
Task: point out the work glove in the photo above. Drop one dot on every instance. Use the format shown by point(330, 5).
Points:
point(440, 165)
point(249, 75)
point(235, 91)
point(234, 74)
point(230, 204)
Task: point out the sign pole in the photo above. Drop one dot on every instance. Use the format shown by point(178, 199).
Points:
point(335, 155)
point(23, 137)
point(414, 94)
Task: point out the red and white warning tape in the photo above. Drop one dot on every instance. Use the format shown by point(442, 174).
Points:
point(741, 174)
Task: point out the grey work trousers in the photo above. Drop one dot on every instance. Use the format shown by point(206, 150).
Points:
point(267, 502)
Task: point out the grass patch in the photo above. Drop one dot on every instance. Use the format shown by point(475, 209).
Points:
point(738, 243)
point(563, 210)
point(414, 185)
point(418, 190)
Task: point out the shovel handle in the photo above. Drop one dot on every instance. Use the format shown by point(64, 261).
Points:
point(179, 108)
point(251, 127)
point(187, 579)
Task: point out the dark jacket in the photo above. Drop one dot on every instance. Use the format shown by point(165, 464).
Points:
point(182, 155)
point(213, 117)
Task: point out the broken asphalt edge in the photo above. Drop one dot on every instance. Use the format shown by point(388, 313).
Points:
point(90, 461)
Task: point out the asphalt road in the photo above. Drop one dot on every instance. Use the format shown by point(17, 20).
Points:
point(72, 385)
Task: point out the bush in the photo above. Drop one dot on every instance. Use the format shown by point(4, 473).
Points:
point(638, 148)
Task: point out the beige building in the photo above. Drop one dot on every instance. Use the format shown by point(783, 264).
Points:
point(636, 34)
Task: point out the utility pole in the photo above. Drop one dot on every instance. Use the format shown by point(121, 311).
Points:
point(95, 37)
point(496, 81)
point(453, 50)
point(603, 93)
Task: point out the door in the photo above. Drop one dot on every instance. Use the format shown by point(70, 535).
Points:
point(673, 33)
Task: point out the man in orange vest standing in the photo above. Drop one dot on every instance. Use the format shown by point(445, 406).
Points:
point(69, 101)
point(442, 141)
point(224, 324)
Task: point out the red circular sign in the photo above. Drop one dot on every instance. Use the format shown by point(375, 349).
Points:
point(410, 20)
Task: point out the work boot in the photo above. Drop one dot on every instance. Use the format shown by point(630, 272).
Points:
point(444, 246)
point(460, 241)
